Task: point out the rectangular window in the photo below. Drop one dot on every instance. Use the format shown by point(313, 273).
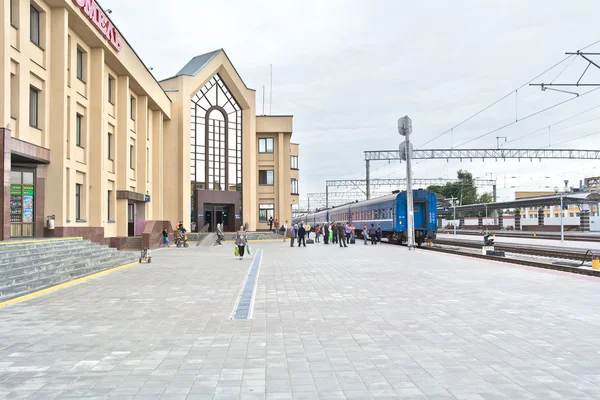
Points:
point(14, 13)
point(110, 146)
point(294, 162)
point(34, 96)
point(78, 128)
point(14, 96)
point(265, 145)
point(108, 201)
point(555, 215)
point(78, 201)
point(131, 154)
point(265, 211)
point(111, 89)
point(132, 105)
point(294, 186)
point(80, 64)
point(266, 177)
point(34, 32)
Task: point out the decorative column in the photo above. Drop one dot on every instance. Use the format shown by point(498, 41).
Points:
point(541, 217)
point(480, 221)
point(5, 188)
point(517, 220)
point(440, 221)
point(500, 221)
point(461, 223)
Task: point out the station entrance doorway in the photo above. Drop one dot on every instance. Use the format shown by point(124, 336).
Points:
point(217, 214)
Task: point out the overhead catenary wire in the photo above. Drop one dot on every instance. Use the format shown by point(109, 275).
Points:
point(506, 96)
point(527, 117)
point(555, 123)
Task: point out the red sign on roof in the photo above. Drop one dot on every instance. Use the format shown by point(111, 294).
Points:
point(101, 21)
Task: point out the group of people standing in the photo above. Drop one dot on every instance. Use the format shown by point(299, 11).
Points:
point(336, 232)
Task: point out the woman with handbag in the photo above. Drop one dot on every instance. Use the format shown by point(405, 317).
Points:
point(241, 241)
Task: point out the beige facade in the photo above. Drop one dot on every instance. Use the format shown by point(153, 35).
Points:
point(254, 180)
point(90, 137)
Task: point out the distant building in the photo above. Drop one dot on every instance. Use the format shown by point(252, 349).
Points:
point(553, 211)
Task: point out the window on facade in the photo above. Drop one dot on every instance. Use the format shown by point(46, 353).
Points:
point(265, 211)
point(131, 156)
point(216, 139)
point(14, 96)
point(265, 145)
point(294, 162)
point(108, 206)
point(294, 186)
point(34, 32)
point(14, 13)
point(78, 128)
point(132, 108)
point(34, 101)
point(80, 64)
point(110, 146)
point(266, 177)
point(555, 215)
point(111, 89)
point(578, 215)
point(78, 201)
point(571, 214)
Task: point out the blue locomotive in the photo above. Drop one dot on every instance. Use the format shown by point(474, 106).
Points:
point(387, 211)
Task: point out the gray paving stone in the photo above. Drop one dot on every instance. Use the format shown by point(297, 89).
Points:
point(366, 323)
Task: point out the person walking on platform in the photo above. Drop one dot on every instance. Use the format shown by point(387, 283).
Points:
point(295, 230)
point(276, 225)
point(352, 234)
point(326, 233)
point(291, 233)
point(317, 234)
point(301, 235)
point(307, 227)
point(270, 223)
point(165, 234)
point(219, 234)
point(335, 232)
point(365, 233)
point(341, 234)
point(373, 234)
point(241, 241)
point(379, 233)
point(285, 230)
point(347, 231)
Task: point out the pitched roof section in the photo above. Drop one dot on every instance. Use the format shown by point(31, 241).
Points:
point(197, 63)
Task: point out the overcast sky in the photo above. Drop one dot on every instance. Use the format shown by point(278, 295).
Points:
point(347, 70)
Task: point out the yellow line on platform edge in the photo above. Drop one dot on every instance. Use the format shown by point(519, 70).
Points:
point(38, 241)
point(66, 284)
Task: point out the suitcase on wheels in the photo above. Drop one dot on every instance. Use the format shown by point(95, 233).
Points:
point(310, 241)
point(353, 241)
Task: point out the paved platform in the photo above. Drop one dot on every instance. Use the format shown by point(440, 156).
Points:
point(366, 322)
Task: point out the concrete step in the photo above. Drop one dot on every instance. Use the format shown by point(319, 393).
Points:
point(15, 269)
point(13, 246)
point(47, 254)
point(39, 281)
point(133, 243)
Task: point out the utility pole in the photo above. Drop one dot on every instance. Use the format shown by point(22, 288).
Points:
point(405, 129)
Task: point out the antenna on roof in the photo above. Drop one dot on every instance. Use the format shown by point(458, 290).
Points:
point(271, 94)
point(263, 100)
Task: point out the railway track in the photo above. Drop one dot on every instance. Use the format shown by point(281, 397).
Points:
point(552, 258)
point(571, 237)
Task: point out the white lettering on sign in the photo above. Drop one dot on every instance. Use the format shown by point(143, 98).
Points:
point(101, 21)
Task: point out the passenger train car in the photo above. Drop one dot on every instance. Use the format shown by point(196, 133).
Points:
point(387, 211)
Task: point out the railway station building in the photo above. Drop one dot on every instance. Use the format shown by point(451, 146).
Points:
point(89, 137)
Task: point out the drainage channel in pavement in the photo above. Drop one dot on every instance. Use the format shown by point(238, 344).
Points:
point(243, 308)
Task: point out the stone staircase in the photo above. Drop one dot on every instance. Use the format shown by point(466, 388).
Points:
point(29, 267)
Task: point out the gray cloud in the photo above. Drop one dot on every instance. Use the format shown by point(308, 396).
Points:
point(348, 70)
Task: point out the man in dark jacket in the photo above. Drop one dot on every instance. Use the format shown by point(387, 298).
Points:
point(301, 235)
point(326, 233)
point(334, 229)
point(342, 234)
